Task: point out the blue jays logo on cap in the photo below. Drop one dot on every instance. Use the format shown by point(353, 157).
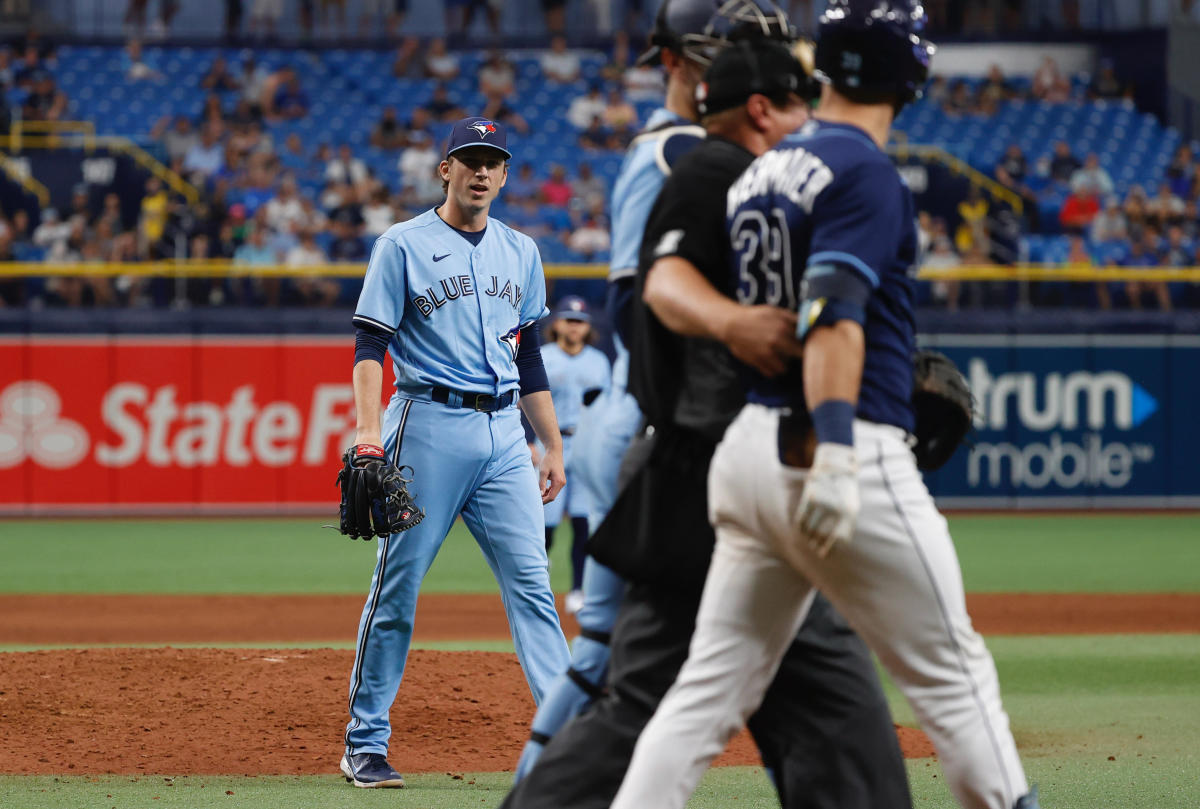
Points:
point(477, 131)
point(573, 307)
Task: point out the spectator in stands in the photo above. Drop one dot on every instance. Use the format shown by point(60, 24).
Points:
point(1177, 250)
point(1079, 209)
point(292, 156)
point(521, 185)
point(346, 168)
point(1110, 224)
point(407, 65)
point(1049, 84)
point(586, 108)
point(440, 107)
point(1063, 164)
point(618, 63)
point(347, 244)
point(589, 238)
point(264, 17)
point(31, 69)
point(1143, 254)
point(152, 220)
point(1181, 173)
point(211, 112)
point(497, 108)
point(378, 214)
point(995, 90)
point(439, 62)
point(178, 139)
point(497, 75)
point(206, 157)
point(1191, 220)
point(219, 78)
point(556, 190)
point(8, 70)
point(972, 229)
point(595, 137)
point(135, 66)
point(560, 64)
point(1106, 84)
point(941, 255)
point(329, 10)
point(1164, 207)
point(644, 83)
point(959, 102)
point(19, 229)
point(51, 234)
point(285, 212)
point(618, 113)
point(290, 102)
point(45, 101)
point(253, 81)
point(1014, 163)
point(491, 9)
point(524, 215)
point(586, 189)
point(418, 164)
point(388, 133)
point(1136, 211)
point(1078, 257)
point(1092, 174)
point(312, 290)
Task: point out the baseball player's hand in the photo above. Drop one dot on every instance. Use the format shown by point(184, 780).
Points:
point(829, 505)
point(763, 337)
point(552, 475)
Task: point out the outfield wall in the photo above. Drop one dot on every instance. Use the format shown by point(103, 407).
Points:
point(215, 422)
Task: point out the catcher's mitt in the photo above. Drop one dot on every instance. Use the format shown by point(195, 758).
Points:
point(942, 401)
point(375, 496)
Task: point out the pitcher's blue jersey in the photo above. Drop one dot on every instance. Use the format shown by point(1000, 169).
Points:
point(454, 309)
point(572, 375)
point(647, 162)
point(827, 200)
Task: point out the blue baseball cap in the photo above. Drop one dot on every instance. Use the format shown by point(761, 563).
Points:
point(572, 307)
point(477, 131)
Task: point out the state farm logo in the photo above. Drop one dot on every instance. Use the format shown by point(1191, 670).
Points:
point(31, 427)
point(155, 425)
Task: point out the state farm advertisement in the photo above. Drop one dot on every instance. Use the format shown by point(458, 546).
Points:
point(173, 424)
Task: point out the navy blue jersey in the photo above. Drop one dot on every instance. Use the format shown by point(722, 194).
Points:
point(827, 201)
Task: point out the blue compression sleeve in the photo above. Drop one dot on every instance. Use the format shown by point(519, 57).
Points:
point(370, 344)
point(833, 422)
point(529, 362)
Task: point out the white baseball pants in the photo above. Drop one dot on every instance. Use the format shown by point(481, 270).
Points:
point(898, 583)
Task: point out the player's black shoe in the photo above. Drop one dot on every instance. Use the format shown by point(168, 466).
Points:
point(370, 771)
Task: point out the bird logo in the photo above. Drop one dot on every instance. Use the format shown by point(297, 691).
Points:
point(484, 128)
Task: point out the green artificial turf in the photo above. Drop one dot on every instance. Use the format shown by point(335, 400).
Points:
point(1038, 553)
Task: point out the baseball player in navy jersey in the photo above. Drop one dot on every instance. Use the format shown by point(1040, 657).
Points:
point(823, 225)
point(580, 764)
point(578, 374)
point(454, 297)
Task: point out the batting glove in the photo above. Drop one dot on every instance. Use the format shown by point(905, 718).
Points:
point(829, 505)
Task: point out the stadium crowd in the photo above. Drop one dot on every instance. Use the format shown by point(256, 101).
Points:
point(268, 202)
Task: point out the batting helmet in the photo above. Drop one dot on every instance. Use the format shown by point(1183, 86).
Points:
point(871, 51)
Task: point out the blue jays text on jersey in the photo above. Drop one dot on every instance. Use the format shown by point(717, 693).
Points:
point(825, 204)
point(455, 321)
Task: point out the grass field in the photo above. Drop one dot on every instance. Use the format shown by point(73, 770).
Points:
point(1103, 721)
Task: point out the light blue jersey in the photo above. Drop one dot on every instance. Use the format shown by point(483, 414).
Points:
point(454, 309)
point(606, 427)
point(571, 376)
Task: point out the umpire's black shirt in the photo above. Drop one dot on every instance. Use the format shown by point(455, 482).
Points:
point(684, 381)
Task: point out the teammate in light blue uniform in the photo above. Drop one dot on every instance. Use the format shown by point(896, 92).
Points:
point(606, 427)
point(578, 373)
point(454, 297)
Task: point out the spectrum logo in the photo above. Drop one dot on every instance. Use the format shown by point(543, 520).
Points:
point(1066, 401)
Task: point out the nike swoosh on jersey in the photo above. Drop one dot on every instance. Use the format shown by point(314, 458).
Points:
point(439, 258)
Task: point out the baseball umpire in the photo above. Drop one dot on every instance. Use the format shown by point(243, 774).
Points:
point(454, 297)
point(815, 483)
point(824, 730)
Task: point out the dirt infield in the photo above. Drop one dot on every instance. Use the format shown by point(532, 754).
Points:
point(257, 711)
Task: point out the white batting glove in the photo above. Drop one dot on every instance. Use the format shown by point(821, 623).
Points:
point(829, 505)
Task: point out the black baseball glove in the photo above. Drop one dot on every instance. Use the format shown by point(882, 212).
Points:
point(375, 496)
point(942, 401)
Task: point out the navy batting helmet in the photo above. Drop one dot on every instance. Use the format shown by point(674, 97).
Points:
point(872, 52)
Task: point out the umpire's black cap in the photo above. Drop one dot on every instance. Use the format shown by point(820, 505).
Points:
point(748, 67)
